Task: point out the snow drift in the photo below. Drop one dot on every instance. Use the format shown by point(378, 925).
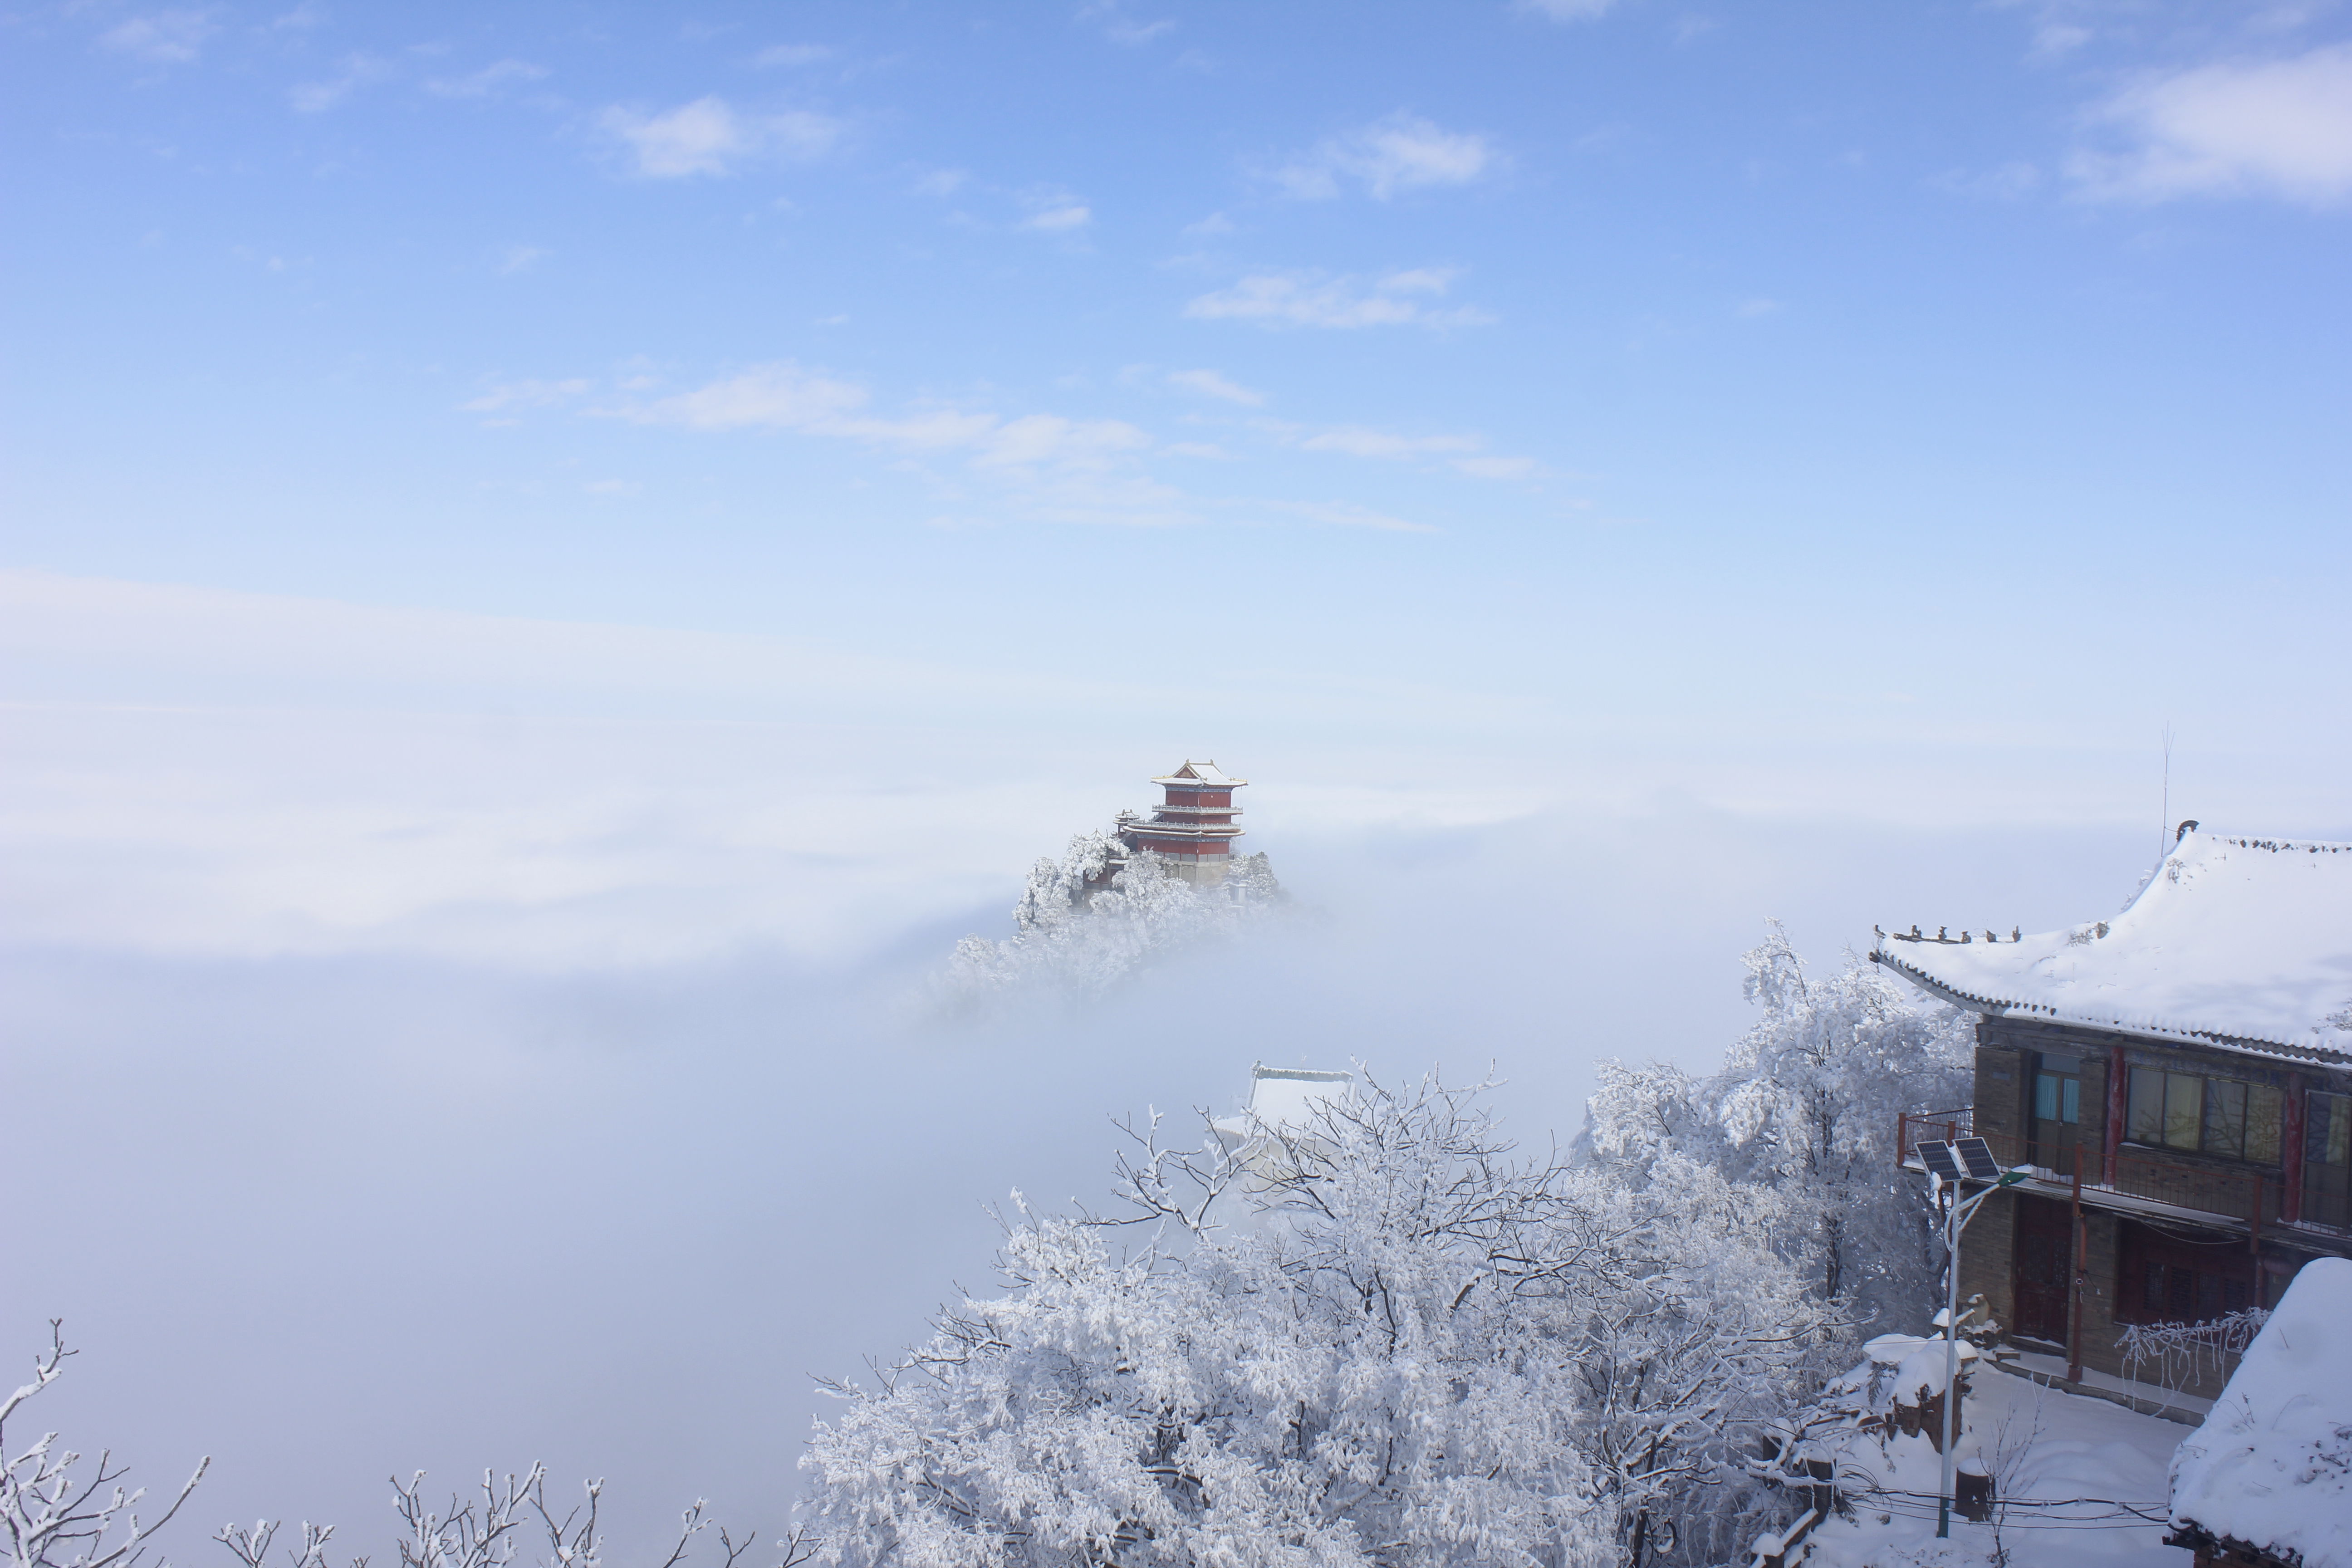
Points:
point(2271, 1467)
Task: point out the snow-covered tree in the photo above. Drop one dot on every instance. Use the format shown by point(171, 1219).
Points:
point(56, 1514)
point(1385, 1340)
point(1089, 919)
point(1805, 1104)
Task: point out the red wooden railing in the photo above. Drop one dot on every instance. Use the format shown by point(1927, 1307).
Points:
point(2247, 1195)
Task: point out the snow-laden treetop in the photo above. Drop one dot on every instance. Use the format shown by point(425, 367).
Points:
point(2246, 943)
point(2271, 1467)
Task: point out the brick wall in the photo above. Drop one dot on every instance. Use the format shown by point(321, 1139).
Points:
point(1986, 1253)
point(2007, 1049)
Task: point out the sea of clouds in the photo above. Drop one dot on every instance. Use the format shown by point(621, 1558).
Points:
point(442, 1042)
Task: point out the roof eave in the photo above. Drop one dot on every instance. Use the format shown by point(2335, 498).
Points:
point(1994, 1008)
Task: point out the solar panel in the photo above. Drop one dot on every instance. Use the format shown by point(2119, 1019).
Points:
point(1977, 1155)
point(1939, 1159)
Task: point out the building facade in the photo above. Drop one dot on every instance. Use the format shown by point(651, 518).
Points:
point(1193, 826)
point(2180, 1081)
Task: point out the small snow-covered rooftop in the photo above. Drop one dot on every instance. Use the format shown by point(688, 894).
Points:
point(2271, 1467)
point(2244, 943)
point(1194, 773)
point(1282, 1102)
point(1284, 1098)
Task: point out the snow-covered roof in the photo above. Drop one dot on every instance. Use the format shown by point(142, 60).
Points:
point(2271, 1467)
point(2245, 942)
point(1285, 1098)
point(1282, 1100)
point(1194, 773)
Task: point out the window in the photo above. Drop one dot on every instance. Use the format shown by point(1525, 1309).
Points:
point(2223, 1116)
point(2328, 1159)
point(2174, 1292)
point(2163, 1280)
point(2057, 1098)
point(2327, 1129)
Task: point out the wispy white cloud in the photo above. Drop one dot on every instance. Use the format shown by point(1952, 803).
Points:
point(1359, 442)
point(1055, 212)
point(2275, 128)
point(710, 136)
point(1320, 300)
point(519, 258)
point(1569, 10)
point(1209, 384)
point(793, 55)
point(785, 396)
point(509, 396)
point(2010, 182)
point(1045, 438)
point(1401, 152)
point(1466, 454)
point(780, 396)
point(1121, 25)
point(161, 38)
point(1493, 467)
point(318, 97)
point(486, 81)
point(2053, 40)
point(1348, 514)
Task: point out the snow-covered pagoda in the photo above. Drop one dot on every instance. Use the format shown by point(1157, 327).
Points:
point(2178, 1079)
point(1193, 826)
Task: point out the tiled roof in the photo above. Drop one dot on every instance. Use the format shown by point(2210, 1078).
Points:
point(1194, 773)
point(2242, 942)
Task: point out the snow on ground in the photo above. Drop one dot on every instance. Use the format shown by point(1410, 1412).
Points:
point(2273, 1464)
point(2086, 1456)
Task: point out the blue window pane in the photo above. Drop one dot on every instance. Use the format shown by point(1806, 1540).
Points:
point(2045, 1096)
point(2070, 1101)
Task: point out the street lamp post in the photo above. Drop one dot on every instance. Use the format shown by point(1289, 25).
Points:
point(1957, 1163)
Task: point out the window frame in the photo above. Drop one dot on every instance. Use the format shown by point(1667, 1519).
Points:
point(2210, 1106)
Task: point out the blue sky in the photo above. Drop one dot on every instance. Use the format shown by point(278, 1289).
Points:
point(555, 557)
point(1899, 410)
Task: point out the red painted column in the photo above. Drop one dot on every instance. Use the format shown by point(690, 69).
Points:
point(2118, 1108)
point(2291, 1160)
point(2081, 1267)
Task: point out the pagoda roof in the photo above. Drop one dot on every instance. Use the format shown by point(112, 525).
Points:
point(2239, 942)
point(1199, 774)
point(1138, 828)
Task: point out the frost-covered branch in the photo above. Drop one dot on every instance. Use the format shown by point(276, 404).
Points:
point(1804, 1104)
point(2184, 1352)
point(1398, 1343)
point(54, 1515)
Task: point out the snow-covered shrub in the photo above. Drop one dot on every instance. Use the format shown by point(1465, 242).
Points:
point(1086, 921)
point(1418, 1351)
point(1805, 1103)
